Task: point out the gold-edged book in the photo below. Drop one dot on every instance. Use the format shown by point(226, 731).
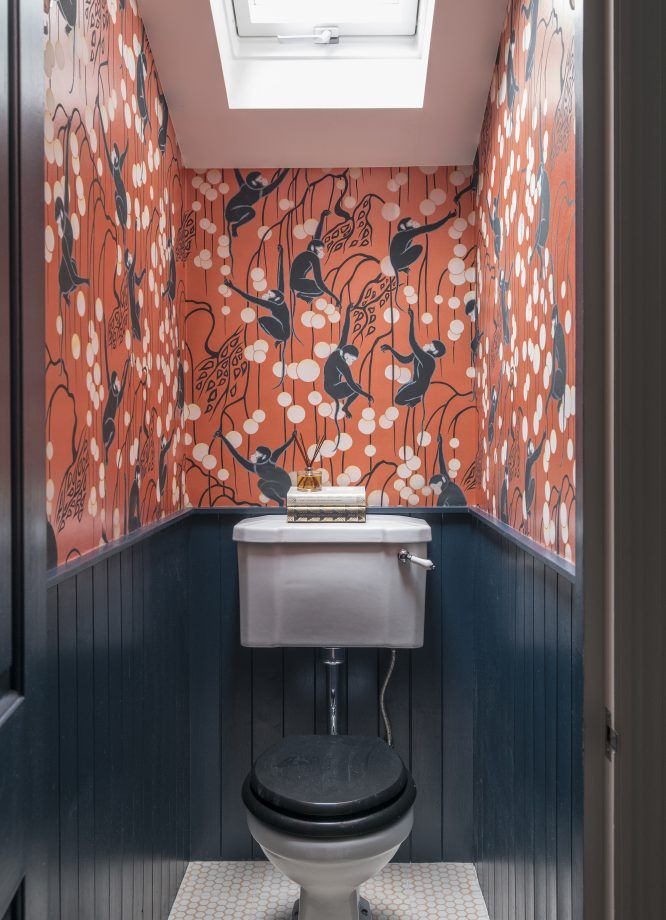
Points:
point(315, 514)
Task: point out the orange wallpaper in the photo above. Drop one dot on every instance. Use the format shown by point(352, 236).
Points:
point(313, 302)
point(114, 247)
point(421, 319)
point(526, 277)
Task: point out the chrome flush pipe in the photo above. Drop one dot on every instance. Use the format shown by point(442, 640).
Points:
point(333, 660)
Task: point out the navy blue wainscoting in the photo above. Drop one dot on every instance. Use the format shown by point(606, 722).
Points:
point(158, 713)
point(119, 828)
point(243, 700)
point(527, 732)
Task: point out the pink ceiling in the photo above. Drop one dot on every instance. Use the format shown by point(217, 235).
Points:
point(446, 130)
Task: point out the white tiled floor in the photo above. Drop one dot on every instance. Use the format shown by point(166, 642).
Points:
point(256, 891)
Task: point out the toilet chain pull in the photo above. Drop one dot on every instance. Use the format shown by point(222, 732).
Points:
point(404, 556)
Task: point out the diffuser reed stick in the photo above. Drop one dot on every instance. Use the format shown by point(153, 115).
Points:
point(298, 441)
point(320, 444)
point(308, 480)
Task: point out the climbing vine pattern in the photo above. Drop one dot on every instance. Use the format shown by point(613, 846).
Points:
point(420, 319)
point(527, 278)
point(340, 303)
point(115, 246)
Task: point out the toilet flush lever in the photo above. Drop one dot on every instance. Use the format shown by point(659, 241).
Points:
point(404, 556)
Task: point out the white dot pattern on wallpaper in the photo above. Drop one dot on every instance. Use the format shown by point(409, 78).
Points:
point(257, 891)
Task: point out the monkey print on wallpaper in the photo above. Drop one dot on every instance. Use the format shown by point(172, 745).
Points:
point(421, 319)
point(115, 245)
point(340, 303)
point(526, 268)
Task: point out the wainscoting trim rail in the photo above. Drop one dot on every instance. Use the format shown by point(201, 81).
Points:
point(561, 566)
point(87, 560)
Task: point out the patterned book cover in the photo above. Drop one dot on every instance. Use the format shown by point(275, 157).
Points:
point(345, 514)
point(328, 496)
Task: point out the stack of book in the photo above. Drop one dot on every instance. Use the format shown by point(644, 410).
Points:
point(330, 505)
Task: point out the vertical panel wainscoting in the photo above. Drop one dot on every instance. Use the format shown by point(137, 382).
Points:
point(119, 834)
point(243, 700)
point(527, 732)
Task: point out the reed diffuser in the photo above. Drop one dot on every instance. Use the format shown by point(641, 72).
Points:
point(309, 479)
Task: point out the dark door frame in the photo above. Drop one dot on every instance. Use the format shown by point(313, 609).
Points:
point(24, 748)
point(622, 455)
point(639, 413)
point(593, 436)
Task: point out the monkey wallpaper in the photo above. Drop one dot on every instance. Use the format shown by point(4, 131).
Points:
point(115, 243)
point(340, 303)
point(420, 319)
point(527, 277)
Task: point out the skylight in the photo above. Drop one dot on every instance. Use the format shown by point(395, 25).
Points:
point(299, 18)
point(324, 54)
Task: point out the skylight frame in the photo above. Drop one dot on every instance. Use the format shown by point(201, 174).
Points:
point(361, 72)
point(257, 19)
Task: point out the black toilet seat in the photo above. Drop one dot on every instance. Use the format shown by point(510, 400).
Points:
point(322, 786)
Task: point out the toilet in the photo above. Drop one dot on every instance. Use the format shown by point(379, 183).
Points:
point(329, 812)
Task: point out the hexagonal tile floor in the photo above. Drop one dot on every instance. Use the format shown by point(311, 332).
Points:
point(256, 891)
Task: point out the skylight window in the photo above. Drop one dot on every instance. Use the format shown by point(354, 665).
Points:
point(308, 19)
point(324, 54)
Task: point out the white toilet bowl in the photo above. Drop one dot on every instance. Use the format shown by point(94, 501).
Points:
point(329, 812)
point(329, 872)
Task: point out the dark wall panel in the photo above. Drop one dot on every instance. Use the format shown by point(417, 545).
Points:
point(527, 733)
point(160, 713)
point(243, 700)
point(458, 557)
point(426, 729)
point(118, 642)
